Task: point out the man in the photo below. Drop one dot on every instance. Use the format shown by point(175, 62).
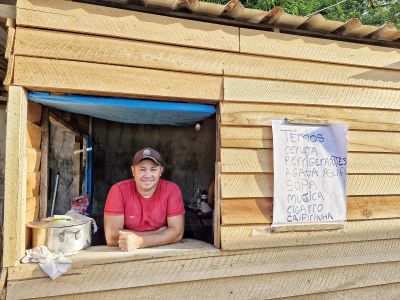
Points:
point(145, 211)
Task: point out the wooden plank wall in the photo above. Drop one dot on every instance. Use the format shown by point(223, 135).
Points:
point(33, 155)
point(256, 76)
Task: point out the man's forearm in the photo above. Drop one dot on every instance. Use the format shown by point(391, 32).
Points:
point(162, 237)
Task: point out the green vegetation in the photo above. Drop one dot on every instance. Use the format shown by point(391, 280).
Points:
point(371, 12)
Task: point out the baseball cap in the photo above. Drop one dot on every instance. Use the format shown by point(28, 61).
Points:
point(147, 153)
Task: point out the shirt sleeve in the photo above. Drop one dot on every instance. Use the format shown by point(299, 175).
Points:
point(175, 202)
point(115, 202)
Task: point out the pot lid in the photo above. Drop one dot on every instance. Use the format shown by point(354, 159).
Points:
point(55, 223)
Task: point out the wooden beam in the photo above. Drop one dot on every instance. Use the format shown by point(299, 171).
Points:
point(257, 286)
point(70, 46)
point(260, 236)
point(98, 20)
point(107, 80)
point(217, 206)
point(270, 91)
point(259, 210)
point(276, 264)
point(384, 291)
point(44, 169)
point(260, 161)
point(261, 114)
point(15, 177)
point(261, 185)
point(261, 138)
point(323, 50)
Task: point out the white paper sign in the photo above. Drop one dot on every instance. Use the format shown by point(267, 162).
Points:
point(310, 168)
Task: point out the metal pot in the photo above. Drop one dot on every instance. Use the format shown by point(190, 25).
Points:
point(61, 235)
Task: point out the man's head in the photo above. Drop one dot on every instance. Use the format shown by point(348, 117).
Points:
point(146, 169)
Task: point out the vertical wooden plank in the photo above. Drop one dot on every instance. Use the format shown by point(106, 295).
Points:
point(217, 181)
point(15, 177)
point(44, 175)
point(217, 206)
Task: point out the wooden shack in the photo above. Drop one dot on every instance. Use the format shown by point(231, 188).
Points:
point(254, 67)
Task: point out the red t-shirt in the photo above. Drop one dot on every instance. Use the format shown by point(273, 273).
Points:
point(144, 214)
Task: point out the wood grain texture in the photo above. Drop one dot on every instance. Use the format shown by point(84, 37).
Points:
point(209, 268)
point(33, 185)
point(96, 49)
point(34, 112)
point(258, 236)
point(217, 206)
point(385, 291)
point(285, 92)
point(100, 20)
point(33, 136)
point(15, 177)
point(33, 157)
point(264, 286)
point(261, 161)
point(259, 210)
point(87, 78)
point(70, 46)
point(261, 185)
point(308, 48)
point(261, 137)
point(261, 114)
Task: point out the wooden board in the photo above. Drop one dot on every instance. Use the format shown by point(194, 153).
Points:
point(31, 203)
point(265, 286)
point(385, 291)
point(34, 112)
point(44, 169)
point(107, 80)
point(261, 114)
point(15, 177)
point(259, 210)
point(260, 236)
point(261, 161)
point(33, 184)
point(261, 137)
point(96, 49)
point(261, 185)
point(156, 272)
point(33, 157)
point(32, 214)
point(285, 92)
point(33, 136)
point(100, 20)
point(316, 49)
point(70, 46)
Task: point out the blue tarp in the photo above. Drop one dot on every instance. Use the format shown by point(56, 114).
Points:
point(128, 110)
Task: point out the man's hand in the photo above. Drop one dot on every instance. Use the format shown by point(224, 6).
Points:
point(129, 241)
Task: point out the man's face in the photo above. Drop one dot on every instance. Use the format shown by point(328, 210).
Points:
point(146, 174)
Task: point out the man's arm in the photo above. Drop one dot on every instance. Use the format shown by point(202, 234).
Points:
point(112, 225)
point(130, 240)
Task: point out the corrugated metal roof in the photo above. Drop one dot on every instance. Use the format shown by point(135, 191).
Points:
point(275, 17)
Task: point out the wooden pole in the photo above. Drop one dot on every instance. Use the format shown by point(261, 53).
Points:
point(44, 175)
point(15, 177)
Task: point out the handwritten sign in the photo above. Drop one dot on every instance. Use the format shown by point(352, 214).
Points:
point(310, 169)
